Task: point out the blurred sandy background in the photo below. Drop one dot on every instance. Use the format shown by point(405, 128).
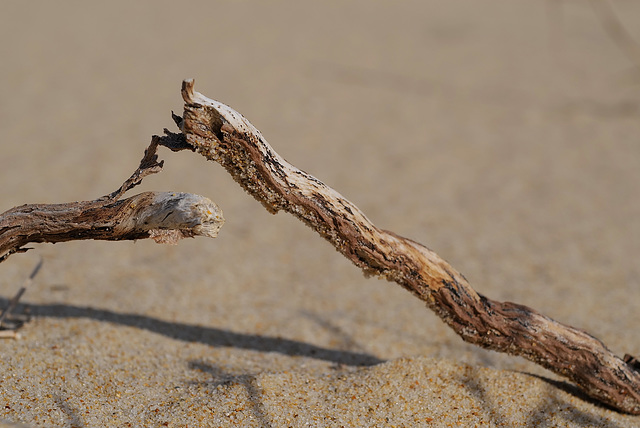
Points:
point(504, 135)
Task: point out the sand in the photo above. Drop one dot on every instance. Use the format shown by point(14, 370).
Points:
point(503, 135)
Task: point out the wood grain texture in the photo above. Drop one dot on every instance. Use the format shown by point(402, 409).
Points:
point(221, 134)
point(163, 216)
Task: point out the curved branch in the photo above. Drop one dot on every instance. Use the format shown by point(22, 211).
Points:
point(164, 217)
point(221, 134)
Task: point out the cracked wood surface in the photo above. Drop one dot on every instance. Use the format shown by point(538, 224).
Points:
point(221, 134)
point(165, 217)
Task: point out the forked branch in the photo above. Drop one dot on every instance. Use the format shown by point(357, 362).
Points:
point(223, 135)
point(164, 217)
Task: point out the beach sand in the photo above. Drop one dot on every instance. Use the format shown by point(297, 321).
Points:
point(502, 135)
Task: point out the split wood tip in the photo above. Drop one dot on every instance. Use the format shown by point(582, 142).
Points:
point(188, 94)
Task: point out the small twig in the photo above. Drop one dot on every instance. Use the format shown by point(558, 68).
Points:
point(148, 165)
point(11, 306)
point(14, 301)
point(221, 134)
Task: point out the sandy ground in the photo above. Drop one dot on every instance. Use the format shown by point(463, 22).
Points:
point(503, 135)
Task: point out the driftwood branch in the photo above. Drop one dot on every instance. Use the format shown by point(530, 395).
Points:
point(223, 135)
point(164, 217)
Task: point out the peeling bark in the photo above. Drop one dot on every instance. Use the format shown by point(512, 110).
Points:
point(221, 134)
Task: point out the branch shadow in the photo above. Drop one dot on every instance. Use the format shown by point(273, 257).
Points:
point(345, 340)
point(539, 416)
point(71, 413)
point(572, 390)
point(206, 335)
point(220, 377)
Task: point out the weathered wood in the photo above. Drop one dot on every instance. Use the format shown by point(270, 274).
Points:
point(221, 134)
point(163, 216)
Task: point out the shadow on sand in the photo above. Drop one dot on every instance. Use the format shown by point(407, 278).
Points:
point(206, 335)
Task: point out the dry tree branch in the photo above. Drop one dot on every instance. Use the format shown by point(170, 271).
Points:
point(162, 216)
point(223, 135)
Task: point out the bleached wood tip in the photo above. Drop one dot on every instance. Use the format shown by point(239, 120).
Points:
point(187, 90)
point(185, 212)
point(220, 110)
